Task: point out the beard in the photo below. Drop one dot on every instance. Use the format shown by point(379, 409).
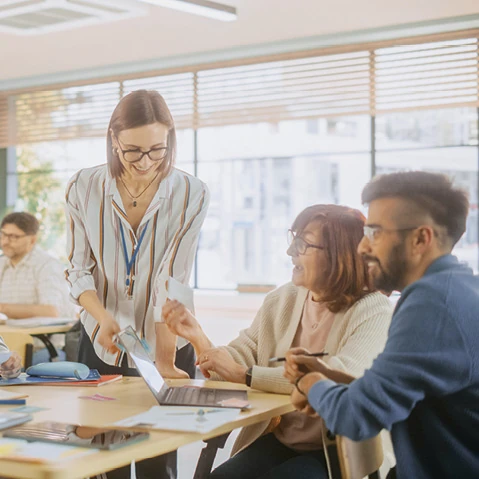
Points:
point(391, 273)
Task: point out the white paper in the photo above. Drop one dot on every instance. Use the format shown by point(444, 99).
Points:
point(5, 356)
point(181, 418)
point(17, 448)
point(183, 294)
point(8, 395)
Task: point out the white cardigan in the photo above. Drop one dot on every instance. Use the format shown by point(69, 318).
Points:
point(357, 336)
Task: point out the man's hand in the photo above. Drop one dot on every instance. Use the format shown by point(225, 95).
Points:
point(108, 329)
point(299, 396)
point(298, 364)
point(221, 362)
point(12, 367)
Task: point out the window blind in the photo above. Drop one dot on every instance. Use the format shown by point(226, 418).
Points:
point(409, 74)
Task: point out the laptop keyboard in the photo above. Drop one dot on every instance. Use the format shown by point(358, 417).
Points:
point(187, 395)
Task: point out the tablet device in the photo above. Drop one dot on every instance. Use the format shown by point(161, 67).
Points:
point(76, 435)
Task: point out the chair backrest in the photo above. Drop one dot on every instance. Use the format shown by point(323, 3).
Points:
point(22, 343)
point(359, 459)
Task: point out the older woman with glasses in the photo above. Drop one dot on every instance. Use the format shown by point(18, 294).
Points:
point(328, 307)
point(134, 224)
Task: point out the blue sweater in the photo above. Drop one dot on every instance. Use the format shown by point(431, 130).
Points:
point(424, 387)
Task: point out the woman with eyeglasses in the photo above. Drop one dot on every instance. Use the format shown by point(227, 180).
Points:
point(133, 225)
point(328, 307)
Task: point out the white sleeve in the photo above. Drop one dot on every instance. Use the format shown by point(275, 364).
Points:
point(82, 261)
point(180, 254)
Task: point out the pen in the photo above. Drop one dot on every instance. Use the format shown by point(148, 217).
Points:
point(316, 355)
point(12, 401)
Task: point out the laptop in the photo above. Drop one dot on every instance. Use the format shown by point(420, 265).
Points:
point(176, 395)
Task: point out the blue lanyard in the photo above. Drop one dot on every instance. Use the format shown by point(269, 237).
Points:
point(131, 262)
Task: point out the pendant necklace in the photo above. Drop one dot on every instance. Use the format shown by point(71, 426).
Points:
point(134, 198)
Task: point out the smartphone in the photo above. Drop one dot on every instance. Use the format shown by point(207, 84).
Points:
point(76, 435)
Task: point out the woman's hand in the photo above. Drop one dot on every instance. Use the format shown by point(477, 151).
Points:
point(298, 364)
point(220, 361)
point(171, 372)
point(12, 367)
point(180, 321)
point(108, 329)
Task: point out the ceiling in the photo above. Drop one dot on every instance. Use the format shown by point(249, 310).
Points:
point(165, 33)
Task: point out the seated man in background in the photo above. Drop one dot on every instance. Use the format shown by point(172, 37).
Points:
point(32, 282)
point(424, 387)
point(12, 366)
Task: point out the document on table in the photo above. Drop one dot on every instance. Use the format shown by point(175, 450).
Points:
point(181, 418)
point(20, 450)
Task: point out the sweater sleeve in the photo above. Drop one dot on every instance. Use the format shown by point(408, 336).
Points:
point(367, 340)
point(244, 350)
point(425, 354)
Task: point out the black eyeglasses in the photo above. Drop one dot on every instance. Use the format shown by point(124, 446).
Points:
point(11, 237)
point(300, 245)
point(135, 155)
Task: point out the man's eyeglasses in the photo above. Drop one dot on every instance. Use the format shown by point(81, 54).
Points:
point(135, 155)
point(373, 232)
point(11, 237)
point(300, 245)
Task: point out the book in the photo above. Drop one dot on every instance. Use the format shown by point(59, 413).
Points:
point(104, 379)
point(93, 379)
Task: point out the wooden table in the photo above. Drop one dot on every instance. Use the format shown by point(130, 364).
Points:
point(59, 328)
point(133, 397)
point(40, 332)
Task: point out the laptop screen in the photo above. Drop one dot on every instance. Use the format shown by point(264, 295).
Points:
point(134, 347)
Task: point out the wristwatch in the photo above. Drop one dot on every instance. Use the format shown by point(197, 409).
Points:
point(249, 377)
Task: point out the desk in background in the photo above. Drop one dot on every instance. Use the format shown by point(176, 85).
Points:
point(41, 333)
point(132, 397)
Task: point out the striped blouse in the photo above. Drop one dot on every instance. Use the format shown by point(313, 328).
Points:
point(170, 229)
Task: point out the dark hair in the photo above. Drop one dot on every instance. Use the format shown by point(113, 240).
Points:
point(431, 193)
point(140, 108)
point(25, 221)
point(342, 231)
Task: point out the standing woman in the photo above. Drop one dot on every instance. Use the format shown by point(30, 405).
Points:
point(134, 223)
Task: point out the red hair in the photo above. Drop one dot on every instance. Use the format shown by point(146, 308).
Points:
point(342, 231)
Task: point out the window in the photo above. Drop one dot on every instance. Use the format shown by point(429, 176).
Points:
point(269, 138)
point(439, 141)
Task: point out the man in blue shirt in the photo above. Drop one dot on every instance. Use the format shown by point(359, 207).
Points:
point(424, 387)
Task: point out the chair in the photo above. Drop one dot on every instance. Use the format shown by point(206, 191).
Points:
point(21, 343)
point(359, 459)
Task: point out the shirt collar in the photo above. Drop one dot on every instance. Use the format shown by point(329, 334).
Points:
point(442, 263)
point(23, 261)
